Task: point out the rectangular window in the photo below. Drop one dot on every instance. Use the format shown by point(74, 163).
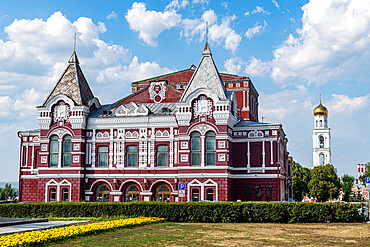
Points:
point(103, 156)
point(65, 195)
point(53, 151)
point(131, 156)
point(53, 160)
point(162, 155)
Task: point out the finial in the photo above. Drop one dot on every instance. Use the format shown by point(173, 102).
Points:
point(320, 98)
point(74, 44)
point(206, 31)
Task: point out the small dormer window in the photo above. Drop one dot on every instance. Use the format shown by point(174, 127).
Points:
point(165, 110)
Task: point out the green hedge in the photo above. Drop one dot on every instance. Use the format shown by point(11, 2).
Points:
point(277, 212)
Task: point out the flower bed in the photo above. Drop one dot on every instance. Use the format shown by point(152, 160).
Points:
point(42, 236)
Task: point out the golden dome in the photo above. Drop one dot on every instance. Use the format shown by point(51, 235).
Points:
point(320, 110)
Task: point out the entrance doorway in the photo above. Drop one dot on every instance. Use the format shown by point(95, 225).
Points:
point(163, 194)
point(102, 193)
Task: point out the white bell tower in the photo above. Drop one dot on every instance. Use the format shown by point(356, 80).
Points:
point(321, 136)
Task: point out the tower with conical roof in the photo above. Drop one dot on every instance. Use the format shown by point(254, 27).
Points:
point(321, 136)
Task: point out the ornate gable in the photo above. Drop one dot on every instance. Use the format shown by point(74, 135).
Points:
point(73, 84)
point(206, 76)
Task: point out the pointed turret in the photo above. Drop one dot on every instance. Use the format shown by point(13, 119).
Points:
point(206, 76)
point(73, 84)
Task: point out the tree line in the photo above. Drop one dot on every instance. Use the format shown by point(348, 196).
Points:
point(8, 192)
point(323, 183)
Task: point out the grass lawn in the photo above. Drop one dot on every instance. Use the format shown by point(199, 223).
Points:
point(241, 234)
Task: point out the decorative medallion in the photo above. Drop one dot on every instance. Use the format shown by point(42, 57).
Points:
point(203, 107)
point(157, 91)
point(61, 112)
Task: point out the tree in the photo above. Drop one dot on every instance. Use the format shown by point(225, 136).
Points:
point(7, 192)
point(300, 178)
point(366, 174)
point(324, 183)
point(347, 183)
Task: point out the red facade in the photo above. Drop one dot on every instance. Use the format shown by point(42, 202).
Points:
point(192, 135)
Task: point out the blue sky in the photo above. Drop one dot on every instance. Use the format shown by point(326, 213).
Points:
point(292, 51)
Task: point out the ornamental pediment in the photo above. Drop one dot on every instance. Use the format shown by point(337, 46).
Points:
point(131, 109)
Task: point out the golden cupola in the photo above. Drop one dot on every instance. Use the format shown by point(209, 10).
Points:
point(320, 110)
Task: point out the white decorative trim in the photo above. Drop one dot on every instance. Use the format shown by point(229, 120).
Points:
point(161, 181)
point(101, 180)
point(184, 157)
point(203, 128)
point(221, 157)
point(44, 159)
point(130, 181)
point(202, 107)
point(131, 109)
point(255, 134)
point(61, 112)
point(157, 91)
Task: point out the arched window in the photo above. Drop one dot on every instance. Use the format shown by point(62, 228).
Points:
point(103, 156)
point(53, 150)
point(209, 194)
point(65, 195)
point(102, 193)
point(210, 148)
point(317, 123)
point(132, 193)
point(321, 140)
point(67, 149)
point(162, 194)
point(195, 149)
point(131, 155)
point(322, 159)
point(195, 195)
point(320, 123)
point(52, 194)
point(162, 155)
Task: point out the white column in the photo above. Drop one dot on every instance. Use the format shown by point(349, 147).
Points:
point(202, 150)
point(171, 147)
point(60, 142)
point(26, 161)
point(152, 148)
point(248, 156)
point(272, 152)
point(33, 156)
point(111, 148)
point(93, 149)
point(175, 153)
point(202, 192)
point(263, 156)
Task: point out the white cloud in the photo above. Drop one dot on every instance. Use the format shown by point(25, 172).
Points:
point(150, 23)
point(218, 33)
point(233, 65)
point(204, 2)
point(344, 104)
point(112, 15)
point(256, 67)
point(176, 4)
point(133, 72)
point(225, 5)
point(6, 104)
point(333, 43)
point(257, 10)
point(257, 29)
point(275, 3)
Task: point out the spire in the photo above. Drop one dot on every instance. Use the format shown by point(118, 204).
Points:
point(73, 58)
point(73, 84)
point(206, 50)
point(206, 76)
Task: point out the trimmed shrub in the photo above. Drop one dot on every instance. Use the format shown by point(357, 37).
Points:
point(276, 212)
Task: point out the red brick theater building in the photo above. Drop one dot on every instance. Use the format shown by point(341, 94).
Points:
point(192, 135)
